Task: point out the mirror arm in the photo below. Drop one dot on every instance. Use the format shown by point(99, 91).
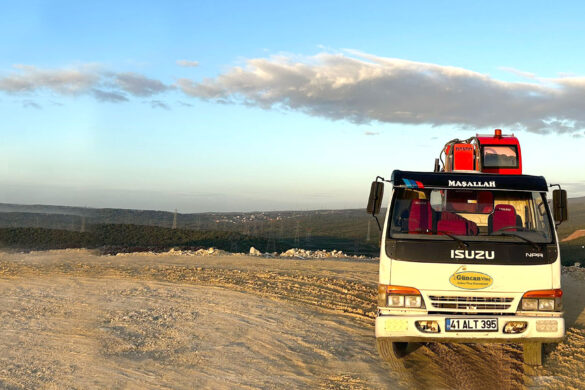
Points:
point(378, 222)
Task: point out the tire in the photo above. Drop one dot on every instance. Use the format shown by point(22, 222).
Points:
point(391, 351)
point(533, 353)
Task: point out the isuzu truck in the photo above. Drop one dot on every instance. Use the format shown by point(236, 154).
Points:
point(469, 252)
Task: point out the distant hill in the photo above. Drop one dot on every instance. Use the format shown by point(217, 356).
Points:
point(123, 238)
point(352, 231)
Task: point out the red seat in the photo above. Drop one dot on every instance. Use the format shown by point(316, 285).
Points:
point(420, 218)
point(452, 227)
point(504, 215)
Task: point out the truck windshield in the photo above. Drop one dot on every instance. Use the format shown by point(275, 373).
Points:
point(470, 215)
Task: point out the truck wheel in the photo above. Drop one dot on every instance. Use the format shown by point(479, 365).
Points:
point(391, 352)
point(533, 354)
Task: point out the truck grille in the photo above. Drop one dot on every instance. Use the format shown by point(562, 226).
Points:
point(470, 303)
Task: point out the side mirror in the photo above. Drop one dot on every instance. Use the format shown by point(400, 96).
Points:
point(560, 209)
point(376, 194)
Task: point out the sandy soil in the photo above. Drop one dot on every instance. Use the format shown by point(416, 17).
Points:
point(72, 319)
point(573, 236)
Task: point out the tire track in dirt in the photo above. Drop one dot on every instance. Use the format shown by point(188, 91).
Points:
point(334, 294)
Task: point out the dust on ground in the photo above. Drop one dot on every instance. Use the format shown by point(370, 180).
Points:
point(73, 319)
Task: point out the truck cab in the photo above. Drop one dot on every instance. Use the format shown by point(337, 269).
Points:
point(469, 256)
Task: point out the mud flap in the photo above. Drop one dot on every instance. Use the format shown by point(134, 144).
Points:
point(533, 354)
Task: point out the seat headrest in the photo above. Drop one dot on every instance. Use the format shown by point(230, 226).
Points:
point(504, 208)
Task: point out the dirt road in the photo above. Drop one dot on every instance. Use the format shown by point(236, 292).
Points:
point(72, 319)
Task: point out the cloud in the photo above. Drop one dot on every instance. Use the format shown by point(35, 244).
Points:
point(188, 63)
point(371, 133)
point(353, 86)
point(362, 88)
point(70, 81)
point(31, 104)
point(517, 72)
point(109, 96)
point(89, 79)
point(159, 104)
point(184, 104)
point(139, 85)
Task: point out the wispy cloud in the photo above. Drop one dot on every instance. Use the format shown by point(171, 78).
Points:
point(188, 63)
point(31, 104)
point(371, 133)
point(109, 96)
point(362, 88)
point(517, 72)
point(89, 79)
point(139, 85)
point(68, 81)
point(184, 104)
point(159, 104)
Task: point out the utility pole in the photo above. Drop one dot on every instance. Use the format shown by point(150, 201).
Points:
point(175, 220)
point(297, 236)
point(369, 230)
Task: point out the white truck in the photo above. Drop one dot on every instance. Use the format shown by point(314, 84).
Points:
point(469, 253)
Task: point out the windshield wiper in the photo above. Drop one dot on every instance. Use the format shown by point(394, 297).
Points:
point(510, 234)
point(460, 241)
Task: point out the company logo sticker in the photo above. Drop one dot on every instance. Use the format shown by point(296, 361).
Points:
point(480, 184)
point(471, 280)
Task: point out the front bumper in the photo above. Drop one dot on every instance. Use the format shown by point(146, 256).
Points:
point(402, 328)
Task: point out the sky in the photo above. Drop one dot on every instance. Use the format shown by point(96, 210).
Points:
point(262, 105)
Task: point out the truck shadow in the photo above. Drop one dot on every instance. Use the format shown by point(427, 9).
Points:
point(463, 366)
point(501, 366)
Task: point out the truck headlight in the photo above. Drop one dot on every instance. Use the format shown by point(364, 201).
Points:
point(398, 296)
point(412, 301)
point(396, 300)
point(546, 304)
point(542, 300)
point(529, 304)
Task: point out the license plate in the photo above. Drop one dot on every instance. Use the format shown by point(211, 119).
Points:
point(471, 324)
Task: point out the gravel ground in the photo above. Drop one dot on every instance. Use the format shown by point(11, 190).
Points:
point(73, 319)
